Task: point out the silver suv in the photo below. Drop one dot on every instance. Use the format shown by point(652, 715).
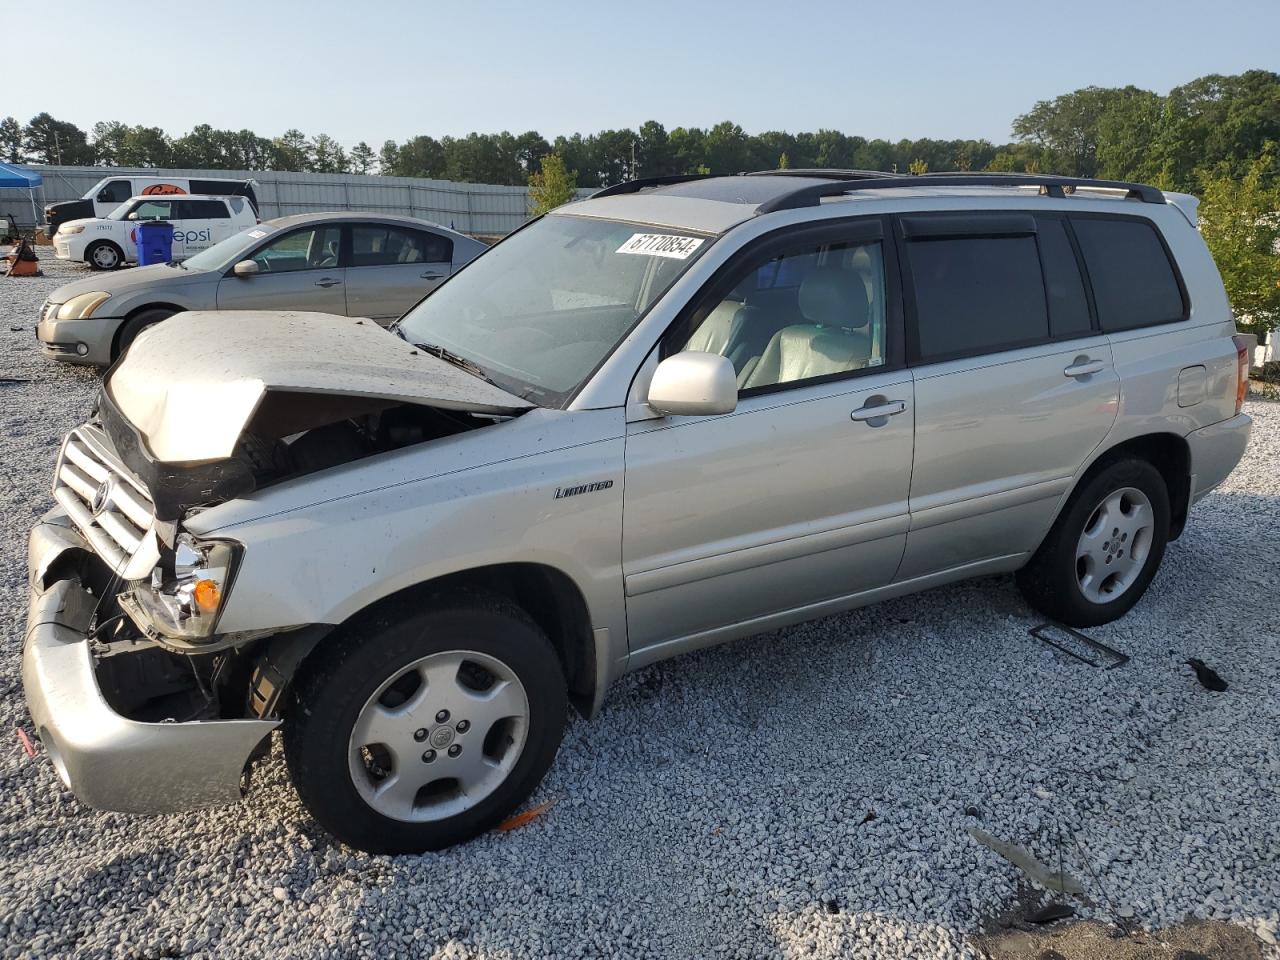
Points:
point(680, 412)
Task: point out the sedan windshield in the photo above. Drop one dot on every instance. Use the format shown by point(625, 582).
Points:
point(540, 311)
point(229, 251)
point(120, 212)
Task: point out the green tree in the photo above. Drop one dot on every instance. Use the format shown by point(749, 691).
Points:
point(552, 186)
point(1240, 221)
point(784, 162)
point(46, 140)
point(10, 140)
point(327, 155)
point(108, 137)
point(291, 151)
point(362, 158)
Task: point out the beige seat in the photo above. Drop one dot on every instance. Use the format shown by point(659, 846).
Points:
point(836, 339)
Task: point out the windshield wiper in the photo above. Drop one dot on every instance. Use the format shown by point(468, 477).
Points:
point(459, 361)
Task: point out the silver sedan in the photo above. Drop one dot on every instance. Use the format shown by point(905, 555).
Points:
point(352, 264)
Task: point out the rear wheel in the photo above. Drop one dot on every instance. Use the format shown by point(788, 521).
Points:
point(418, 731)
point(103, 255)
point(1105, 548)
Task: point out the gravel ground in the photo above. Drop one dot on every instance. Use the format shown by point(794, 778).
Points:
point(802, 793)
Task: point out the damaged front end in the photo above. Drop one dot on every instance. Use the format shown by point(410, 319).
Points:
point(142, 703)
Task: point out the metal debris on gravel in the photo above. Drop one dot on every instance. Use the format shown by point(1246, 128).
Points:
point(718, 808)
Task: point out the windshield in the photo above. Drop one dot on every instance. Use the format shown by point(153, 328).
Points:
point(120, 212)
point(542, 309)
point(228, 251)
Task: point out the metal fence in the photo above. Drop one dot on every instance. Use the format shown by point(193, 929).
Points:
point(476, 208)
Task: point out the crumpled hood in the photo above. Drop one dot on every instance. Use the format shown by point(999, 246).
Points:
point(191, 384)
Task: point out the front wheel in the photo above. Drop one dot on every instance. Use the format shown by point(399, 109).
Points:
point(1105, 548)
point(104, 255)
point(417, 731)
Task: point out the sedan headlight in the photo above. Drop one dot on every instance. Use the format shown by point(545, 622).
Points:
point(72, 230)
point(82, 307)
point(185, 603)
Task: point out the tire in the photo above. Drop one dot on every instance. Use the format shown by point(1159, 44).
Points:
point(135, 325)
point(347, 717)
point(103, 255)
point(1085, 573)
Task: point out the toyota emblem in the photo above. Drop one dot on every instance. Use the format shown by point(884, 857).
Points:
point(102, 496)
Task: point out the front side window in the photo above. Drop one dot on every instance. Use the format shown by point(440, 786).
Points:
point(976, 295)
point(311, 249)
point(1133, 282)
point(373, 245)
point(153, 210)
point(818, 311)
point(115, 191)
point(542, 309)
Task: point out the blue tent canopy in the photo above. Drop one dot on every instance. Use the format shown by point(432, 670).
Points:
point(18, 178)
point(11, 176)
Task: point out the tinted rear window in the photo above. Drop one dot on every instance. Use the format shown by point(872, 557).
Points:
point(1068, 305)
point(1133, 281)
point(202, 210)
point(976, 295)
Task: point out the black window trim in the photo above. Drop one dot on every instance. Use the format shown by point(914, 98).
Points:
point(914, 358)
point(764, 248)
point(1168, 254)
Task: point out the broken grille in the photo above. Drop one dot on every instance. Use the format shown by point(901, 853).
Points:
point(107, 505)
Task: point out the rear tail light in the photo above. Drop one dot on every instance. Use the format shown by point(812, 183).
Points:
point(1242, 370)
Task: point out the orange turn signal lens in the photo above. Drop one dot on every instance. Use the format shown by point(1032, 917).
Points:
point(207, 595)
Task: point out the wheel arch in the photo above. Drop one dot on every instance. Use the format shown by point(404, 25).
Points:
point(133, 313)
point(1167, 452)
point(548, 595)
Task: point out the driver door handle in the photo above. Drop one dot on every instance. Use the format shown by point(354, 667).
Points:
point(327, 282)
point(431, 275)
point(1084, 367)
point(882, 408)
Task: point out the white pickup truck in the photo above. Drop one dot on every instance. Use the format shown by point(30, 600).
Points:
point(198, 223)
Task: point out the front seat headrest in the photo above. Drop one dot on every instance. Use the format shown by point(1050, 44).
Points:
point(833, 297)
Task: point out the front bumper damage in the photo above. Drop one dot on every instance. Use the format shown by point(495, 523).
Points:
point(108, 760)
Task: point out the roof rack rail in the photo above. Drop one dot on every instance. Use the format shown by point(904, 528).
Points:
point(1053, 186)
point(826, 173)
point(635, 186)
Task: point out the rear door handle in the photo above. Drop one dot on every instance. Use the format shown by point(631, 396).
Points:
point(431, 276)
point(327, 282)
point(1084, 367)
point(881, 408)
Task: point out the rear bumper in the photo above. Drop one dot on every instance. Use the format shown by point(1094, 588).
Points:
point(1215, 451)
point(110, 761)
point(64, 340)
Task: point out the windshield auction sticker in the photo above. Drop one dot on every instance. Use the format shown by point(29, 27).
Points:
point(661, 245)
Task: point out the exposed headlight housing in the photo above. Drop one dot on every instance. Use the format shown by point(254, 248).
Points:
point(184, 604)
point(71, 230)
point(82, 307)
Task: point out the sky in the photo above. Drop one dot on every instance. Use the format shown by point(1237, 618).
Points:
point(374, 71)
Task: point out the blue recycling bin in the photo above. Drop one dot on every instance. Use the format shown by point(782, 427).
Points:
point(155, 242)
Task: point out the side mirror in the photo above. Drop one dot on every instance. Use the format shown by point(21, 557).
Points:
point(245, 268)
point(694, 384)
point(133, 215)
point(102, 196)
